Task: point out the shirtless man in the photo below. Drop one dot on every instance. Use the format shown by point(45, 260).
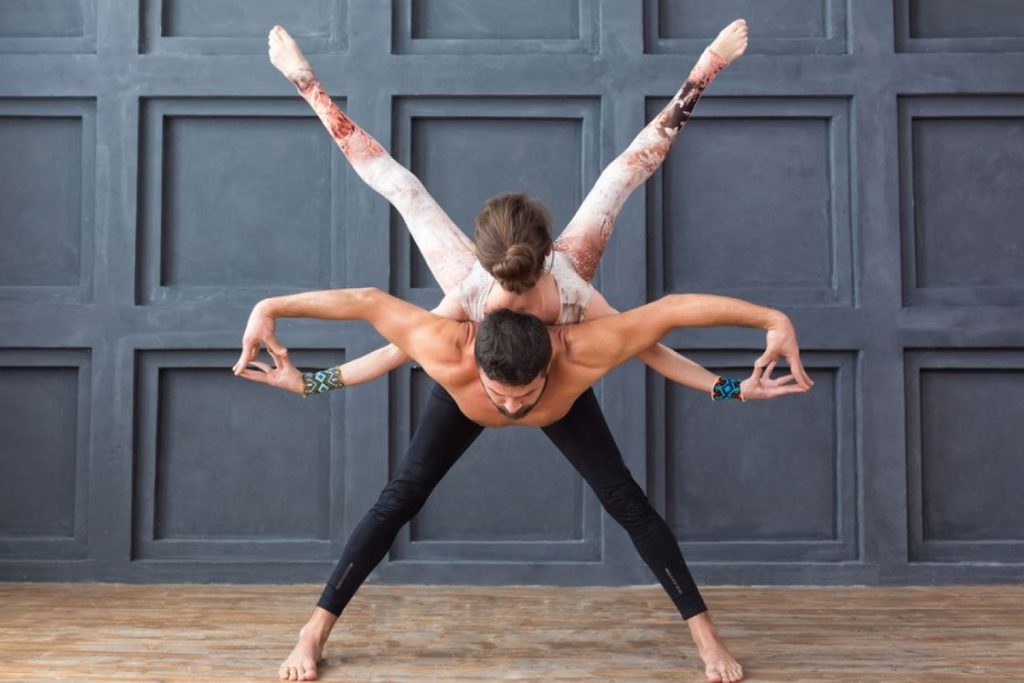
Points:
point(511, 369)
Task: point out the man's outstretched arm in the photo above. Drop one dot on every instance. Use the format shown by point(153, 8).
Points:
point(604, 343)
point(420, 334)
point(360, 370)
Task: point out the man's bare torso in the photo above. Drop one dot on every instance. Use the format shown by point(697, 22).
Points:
point(460, 378)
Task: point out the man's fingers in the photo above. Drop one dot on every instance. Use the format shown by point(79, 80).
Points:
point(798, 370)
point(249, 351)
point(759, 366)
point(280, 359)
point(770, 369)
point(756, 374)
point(240, 363)
point(275, 346)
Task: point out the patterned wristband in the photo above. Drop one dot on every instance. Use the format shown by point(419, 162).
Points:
point(726, 388)
point(322, 380)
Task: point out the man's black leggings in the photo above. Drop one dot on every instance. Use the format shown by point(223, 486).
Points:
point(442, 436)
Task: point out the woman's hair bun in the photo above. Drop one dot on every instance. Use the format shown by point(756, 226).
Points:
point(519, 264)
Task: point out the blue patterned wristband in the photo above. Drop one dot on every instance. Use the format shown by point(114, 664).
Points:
point(726, 388)
point(322, 380)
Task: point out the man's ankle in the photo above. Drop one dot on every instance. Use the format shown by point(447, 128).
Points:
point(319, 625)
point(702, 627)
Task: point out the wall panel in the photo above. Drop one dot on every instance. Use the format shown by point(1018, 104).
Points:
point(225, 27)
point(754, 200)
point(48, 26)
point(961, 202)
point(963, 455)
point(45, 420)
point(48, 221)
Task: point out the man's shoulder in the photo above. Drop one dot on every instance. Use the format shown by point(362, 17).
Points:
point(451, 361)
point(572, 344)
point(448, 340)
point(599, 341)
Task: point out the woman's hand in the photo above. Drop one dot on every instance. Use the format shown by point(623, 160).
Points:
point(761, 385)
point(283, 375)
point(259, 329)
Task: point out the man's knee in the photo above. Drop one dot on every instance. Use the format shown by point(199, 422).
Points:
point(400, 500)
point(627, 504)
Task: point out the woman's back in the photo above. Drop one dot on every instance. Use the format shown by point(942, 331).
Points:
point(559, 297)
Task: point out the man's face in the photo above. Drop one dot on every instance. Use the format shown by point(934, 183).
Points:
point(514, 401)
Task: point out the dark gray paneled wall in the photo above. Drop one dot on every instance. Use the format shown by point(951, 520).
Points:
point(860, 168)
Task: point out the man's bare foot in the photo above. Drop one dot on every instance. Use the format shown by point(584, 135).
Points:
point(731, 42)
point(719, 665)
point(301, 664)
point(285, 54)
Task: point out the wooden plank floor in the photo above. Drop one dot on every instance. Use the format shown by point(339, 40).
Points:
point(116, 632)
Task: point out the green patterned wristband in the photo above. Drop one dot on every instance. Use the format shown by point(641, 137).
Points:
point(726, 388)
point(322, 380)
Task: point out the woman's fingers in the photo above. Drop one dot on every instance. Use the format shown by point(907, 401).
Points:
point(262, 366)
point(791, 389)
point(255, 376)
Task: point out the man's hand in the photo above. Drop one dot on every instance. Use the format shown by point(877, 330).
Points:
point(780, 342)
point(283, 375)
point(260, 328)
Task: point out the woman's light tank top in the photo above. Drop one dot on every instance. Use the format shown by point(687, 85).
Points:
point(573, 291)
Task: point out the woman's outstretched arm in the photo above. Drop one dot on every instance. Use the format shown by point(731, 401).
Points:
point(587, 234)
point(448, 252)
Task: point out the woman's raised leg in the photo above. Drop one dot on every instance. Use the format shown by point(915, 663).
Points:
point(587, 234)
point(448, 252)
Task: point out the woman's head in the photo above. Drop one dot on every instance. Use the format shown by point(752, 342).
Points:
point(512, 238)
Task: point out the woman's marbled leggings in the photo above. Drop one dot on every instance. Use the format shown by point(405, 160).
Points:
point(448, 252)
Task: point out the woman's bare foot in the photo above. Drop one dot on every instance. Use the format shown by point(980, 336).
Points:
point(302, 663)
point(285, 54)
point(731, 42)
point(719, 665)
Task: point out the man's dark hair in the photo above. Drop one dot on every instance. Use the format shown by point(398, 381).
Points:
point(512, 348)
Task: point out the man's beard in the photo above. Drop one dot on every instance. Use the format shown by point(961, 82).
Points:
point(522, 412)
point(518, 415)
